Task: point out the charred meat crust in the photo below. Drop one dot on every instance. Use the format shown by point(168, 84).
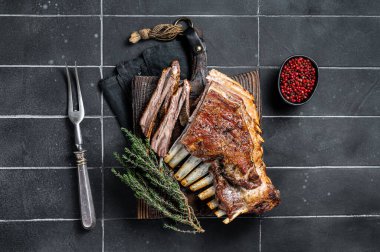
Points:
point(220, 130)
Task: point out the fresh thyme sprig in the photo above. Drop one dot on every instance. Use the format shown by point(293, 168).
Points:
point(152, 181)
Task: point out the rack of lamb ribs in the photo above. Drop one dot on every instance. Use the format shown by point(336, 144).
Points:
point(219, 152)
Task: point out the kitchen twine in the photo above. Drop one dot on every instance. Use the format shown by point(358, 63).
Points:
point(163, 32)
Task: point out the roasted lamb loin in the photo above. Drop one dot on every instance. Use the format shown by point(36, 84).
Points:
point(223, 140)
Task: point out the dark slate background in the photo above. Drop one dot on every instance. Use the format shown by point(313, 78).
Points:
point(323, 156)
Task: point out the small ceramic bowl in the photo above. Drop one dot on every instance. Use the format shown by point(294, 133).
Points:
point(316, 80)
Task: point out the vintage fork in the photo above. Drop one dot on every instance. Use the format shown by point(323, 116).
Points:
point(76, 117)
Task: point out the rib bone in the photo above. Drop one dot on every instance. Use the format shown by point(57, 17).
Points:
point(219, 213)
point(173, 151)
point(213, 204)
point(181, 155)
point(196, 174)
point(241, 211)
point(202, 183)
point(207, 193)
point(187, 167)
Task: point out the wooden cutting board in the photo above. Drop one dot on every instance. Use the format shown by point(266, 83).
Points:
point(142, 89)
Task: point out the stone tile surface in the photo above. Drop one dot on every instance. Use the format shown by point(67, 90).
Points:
point(182, 7)
point(43, 91)
point(49, 236)
point(47, 142)
point(340, 92)
point(325, 191)
point(148, 235)
point(50, 41)
point(320, 234)
point(45, 194)
point(321, 141)
point(323, 156)
point(52, 7)
point(321, 7)
point(221, 44)
point(330, 41)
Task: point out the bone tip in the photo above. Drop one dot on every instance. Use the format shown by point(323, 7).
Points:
point(212, 204)
point(167, 158)
point(192, 188)
point(196, 186)
point(184, 182)
point(171, 165)
point(219, 213)
point(177, 177)
point(201, 197)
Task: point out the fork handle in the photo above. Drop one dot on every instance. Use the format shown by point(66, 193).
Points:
point(85, 196)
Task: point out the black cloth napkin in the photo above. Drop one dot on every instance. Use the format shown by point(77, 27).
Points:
point(117, 88)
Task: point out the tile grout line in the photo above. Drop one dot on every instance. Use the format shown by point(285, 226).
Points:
point(180, 15)
point(303, 167)
point(320, 67)
point(47, 117)
point(44, 168)
point(102, 113)
point(48, 15)
point(318, 16)
point(268, 167)
point(323, 216)
point(260, 234)
point(354, 216)
point(190, 15)
point(258, 66)
point(258, 33)
point(210, 217)
point(38, 220)
point(319, 116)
point(101, 117)
point(48, 66)
point(229, 67)
point(326, 167)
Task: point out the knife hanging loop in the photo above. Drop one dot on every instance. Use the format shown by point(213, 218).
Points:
point(162, 32)
point(186, 20)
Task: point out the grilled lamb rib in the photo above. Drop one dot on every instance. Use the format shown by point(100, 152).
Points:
point(161, 140)
point(225, 130)
point(166, 86)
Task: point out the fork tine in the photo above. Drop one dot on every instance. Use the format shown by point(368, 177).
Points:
point(80, 100)
point(69, 92)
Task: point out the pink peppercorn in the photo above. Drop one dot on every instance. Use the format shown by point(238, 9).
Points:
point(297, 79)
